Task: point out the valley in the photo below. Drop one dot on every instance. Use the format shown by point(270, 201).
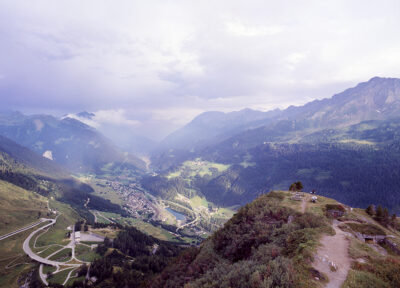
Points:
point(181, 218)
point(78, 211)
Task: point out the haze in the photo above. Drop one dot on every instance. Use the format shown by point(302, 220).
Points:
point(154, 65)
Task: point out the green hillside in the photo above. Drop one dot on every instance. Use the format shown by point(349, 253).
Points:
point(19, 207)
point(277, 241)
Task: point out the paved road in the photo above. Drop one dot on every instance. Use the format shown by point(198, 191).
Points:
point(104, 217)
point(69, 276)
point(42, 275)
point(23, 229)
point(32, 255)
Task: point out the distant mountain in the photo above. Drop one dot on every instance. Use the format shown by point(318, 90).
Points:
point(27, 157)
point(346, 147)
point(123, 136)
point(377, 99)
point(211, 127)
point(68, 141)
point(30, 171)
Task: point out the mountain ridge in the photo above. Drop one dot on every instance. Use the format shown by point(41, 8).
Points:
point(338, 110)
point(67, 141)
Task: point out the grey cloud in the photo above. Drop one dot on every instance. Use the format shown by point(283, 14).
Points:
point(165, 61)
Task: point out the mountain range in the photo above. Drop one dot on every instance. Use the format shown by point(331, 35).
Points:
point(67, 141)
point(377, 99)
point(346, 147)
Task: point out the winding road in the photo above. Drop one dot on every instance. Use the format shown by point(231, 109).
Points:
point(24, 229)
point(32, 255)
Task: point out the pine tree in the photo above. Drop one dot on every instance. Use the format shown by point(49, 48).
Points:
point(385, 216)
point(370, 210)
point(379, 213)
point(393, 220)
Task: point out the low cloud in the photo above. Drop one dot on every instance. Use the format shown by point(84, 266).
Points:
point(107, 117)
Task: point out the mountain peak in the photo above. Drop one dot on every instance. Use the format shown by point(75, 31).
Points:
point(85, 114)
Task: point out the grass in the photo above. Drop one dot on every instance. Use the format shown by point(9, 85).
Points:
point(57, 234)
point(49, 251)
point(105, 232)
point(72, 280)
point(319, 207)
point(62, 256)
point(190, 169)
point(59, 277)
point(224, 213)
point(358, 249)
point(102, 190)
point(9, 278)
point(149, 229)
point(11, 253)
point(198, 201)
point(19, 207)
point(85, 253)
point(48, 268)
point(144, 227)
point(357, 279)
point(367, 229)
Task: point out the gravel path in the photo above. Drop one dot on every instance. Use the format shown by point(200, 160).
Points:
point(333, 253)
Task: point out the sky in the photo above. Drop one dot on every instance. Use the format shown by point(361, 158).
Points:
point(154, 65)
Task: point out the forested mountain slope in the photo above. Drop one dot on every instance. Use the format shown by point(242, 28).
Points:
point(26, 169)
point(377, 99)
point(68, 142)
point(346, 147)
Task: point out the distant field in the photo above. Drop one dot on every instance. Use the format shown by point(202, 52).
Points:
point(101, 189)
point(197, 201)
point(144, 227)
point(197, 167)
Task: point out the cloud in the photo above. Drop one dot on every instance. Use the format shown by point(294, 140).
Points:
point(239, 29)
point(162, 62)
point(105, 117)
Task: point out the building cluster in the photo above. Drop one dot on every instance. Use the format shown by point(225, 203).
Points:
point(136, 203)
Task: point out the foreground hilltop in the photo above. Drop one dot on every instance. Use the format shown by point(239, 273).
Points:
point(283, 239)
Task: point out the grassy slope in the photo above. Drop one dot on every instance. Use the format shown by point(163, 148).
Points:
point(57, 234)
point(19, 207)
point(100, 189)
point(251, 250)
point(85, 253)
point(144, 227)
point(224, 258)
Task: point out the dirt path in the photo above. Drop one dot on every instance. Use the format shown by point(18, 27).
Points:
point(333, 252)
point(304, 203)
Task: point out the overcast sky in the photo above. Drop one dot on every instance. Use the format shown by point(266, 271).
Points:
point(154, 65)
